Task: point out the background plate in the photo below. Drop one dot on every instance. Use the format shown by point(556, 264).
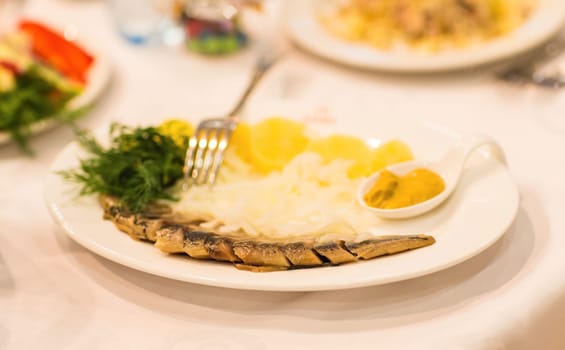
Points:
point(98, 77)
point(475, 217)
point(308, 33)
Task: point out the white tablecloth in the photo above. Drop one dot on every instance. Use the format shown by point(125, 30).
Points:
point(56, 295)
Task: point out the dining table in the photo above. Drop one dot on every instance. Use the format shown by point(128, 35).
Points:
point(55, 294)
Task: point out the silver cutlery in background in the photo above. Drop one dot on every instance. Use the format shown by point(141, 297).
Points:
point(529, 69)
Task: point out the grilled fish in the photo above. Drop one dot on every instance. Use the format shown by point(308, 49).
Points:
point(157, 225)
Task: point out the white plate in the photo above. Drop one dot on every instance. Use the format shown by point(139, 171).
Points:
point(478, 214)
point(97, 79)
point(308, 33)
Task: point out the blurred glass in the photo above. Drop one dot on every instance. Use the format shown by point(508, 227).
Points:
point(143, 22)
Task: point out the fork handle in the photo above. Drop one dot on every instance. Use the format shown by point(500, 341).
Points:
point(259, 70)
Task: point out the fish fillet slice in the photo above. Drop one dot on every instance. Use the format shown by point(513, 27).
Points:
point(301, 254)
point(246, 253)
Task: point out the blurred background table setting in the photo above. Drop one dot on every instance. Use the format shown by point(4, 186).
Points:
point(416, 75)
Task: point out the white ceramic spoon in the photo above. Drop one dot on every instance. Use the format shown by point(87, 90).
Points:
point(449, 167)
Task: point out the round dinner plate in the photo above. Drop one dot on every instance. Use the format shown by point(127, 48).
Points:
point(475, 217)
point(308, 33)
point(98, 77)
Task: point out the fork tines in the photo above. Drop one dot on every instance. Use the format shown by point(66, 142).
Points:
point(206, 150)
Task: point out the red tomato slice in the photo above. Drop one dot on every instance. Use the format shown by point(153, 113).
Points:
point(65, 56)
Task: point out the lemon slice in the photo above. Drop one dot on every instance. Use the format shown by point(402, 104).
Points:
point(390, 153)
point(177, 129)
point(344, 147)
point(240, 141)
point(274, 142)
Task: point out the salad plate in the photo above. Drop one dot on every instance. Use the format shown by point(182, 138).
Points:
point(97, 78)
point(307, 32)
point(475, 217)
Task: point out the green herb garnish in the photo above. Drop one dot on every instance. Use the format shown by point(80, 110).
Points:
point(33, 99)
point(139, 167)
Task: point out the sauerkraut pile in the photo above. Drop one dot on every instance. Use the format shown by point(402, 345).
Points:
point(279, 180)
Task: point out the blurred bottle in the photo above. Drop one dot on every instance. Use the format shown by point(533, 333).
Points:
point(143, 22)
point(213, 26)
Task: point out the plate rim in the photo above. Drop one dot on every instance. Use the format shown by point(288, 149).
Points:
point(420, 63)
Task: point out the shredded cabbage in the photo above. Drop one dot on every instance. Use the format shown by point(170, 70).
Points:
point(308, 197)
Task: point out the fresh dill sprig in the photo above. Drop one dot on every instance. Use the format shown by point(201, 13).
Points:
point(139, 167)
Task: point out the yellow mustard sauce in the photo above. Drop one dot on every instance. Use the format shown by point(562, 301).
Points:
point(392, 192)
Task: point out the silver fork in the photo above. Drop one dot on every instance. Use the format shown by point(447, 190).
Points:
point(205, 152)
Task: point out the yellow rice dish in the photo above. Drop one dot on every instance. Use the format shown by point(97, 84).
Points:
point(429, 25)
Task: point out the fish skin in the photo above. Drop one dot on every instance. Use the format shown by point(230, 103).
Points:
point(335, 252)
point(387, 245)
point(195, 244)
point(259, 253)
point(147, 228)
point(301, 254)
point(126, 223)
point(170, 239)
point(221, 249)
point(246, 253)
